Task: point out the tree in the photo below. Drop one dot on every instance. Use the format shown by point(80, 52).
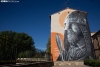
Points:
point(14, 43)
point(25, 54)
point(48, 46)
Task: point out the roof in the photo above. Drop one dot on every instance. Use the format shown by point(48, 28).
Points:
point(92, 33)
point(67, 8)
point(96, 33)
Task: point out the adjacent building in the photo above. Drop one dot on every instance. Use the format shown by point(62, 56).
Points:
point(96, 44)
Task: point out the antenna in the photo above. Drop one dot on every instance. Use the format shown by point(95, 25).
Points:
point(66, 3)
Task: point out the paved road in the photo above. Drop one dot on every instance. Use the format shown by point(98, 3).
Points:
point(72, 66)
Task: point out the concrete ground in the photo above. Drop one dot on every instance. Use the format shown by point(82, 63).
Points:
point(71, 66)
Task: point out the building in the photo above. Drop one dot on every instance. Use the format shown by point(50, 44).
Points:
point(96, 44)
point(69, 33)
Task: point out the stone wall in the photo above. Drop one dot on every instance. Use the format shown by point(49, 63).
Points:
point(61, 63)
point(96, 45)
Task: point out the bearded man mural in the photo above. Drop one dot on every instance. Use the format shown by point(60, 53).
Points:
point(77, 39)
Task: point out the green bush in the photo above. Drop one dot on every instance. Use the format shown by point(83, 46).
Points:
point(2, 62)
point(93, 63)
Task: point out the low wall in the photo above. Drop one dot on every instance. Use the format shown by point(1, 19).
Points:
point(32, 59)
point(59, 63)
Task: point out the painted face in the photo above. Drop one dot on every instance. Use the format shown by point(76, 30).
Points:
point(75, 28)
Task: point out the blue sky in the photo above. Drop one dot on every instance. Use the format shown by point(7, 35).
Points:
point(32, 16)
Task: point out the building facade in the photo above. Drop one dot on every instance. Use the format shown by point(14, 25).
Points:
point(96, 45)
point(70, 35)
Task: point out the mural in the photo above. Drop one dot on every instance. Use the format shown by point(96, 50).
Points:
point(76, 41)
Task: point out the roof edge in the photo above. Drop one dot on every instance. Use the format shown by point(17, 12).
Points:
point(68, 8)
point(96, 33)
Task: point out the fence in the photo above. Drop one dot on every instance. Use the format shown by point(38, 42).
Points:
point(47, 57)
point(9, 55)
